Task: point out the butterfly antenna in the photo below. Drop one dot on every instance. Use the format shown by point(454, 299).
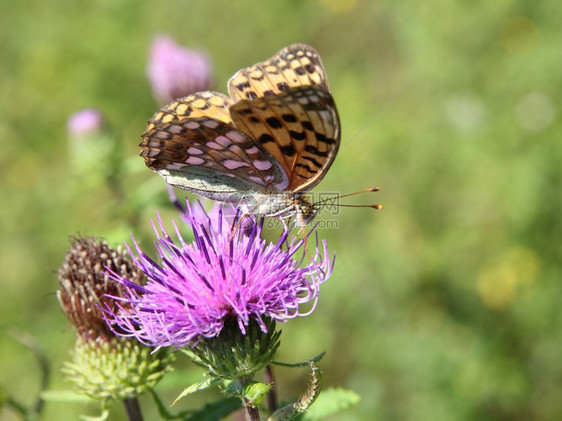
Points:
point(361, 206)
point(333, 199)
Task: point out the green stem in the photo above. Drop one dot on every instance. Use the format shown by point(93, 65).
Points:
point(44, 369)
point(272, 394)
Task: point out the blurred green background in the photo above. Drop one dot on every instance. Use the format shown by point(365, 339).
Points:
point(444, 305)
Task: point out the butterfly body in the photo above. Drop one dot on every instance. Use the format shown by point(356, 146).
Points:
point(261, 148)
point(252, 202)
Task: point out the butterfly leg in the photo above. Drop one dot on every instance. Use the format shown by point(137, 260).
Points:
point(285, 225)
point(235, 228)
point(302, 231)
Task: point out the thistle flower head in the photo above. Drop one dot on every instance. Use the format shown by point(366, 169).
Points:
point(85, 287)
point(224, 276)
point(104, 366)
point(175, 71)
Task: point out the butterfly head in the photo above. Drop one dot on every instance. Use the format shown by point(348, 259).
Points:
point(305, 210)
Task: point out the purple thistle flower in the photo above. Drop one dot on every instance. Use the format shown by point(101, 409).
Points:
point(224, 276)
point(175, 71)
point(225, 212)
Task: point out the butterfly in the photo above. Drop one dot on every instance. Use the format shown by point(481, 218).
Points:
point(262, 148)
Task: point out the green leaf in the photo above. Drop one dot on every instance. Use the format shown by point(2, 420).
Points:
point(211, 412)
point(216, 410)
point(330, 402)
point(162, 410)
point(254, 392)
point(301, 364)
point(205, 384)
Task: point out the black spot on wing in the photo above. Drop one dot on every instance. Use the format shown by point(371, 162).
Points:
point(274, 122)
point(242, 86)
point(289, 118)
point(313, 150)
point(306, 167)
point(321, 138)
point(297, 135)
point(300, 71)
point(265, 138)
point(312, 160)
point(288, 150)
point(307, 125)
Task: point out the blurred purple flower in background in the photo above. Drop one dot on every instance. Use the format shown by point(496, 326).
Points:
point(175, 71)
point(225, 276)
point(93, 150)
point(87, 121)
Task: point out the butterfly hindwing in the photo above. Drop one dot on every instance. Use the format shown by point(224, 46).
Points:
point(195, 146)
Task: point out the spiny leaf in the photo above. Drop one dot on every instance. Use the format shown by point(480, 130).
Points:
point(205, 384)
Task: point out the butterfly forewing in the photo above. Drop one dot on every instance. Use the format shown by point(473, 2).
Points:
point(295, 65)
point(195, 146)
point(299, 128)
